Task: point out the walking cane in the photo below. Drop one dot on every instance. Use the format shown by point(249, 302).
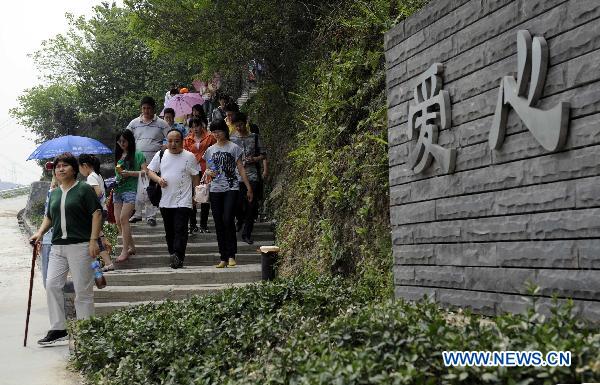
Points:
point(33, 255)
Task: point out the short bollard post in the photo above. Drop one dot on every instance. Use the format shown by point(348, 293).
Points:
point(267, 260)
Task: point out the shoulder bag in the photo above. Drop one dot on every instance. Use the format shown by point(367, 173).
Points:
point(202, 190)
point(154, 191)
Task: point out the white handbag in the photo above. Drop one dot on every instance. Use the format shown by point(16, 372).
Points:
point(142, 195)
point(201, 191)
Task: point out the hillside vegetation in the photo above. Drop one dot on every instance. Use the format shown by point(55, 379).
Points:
point(320, 106)
point(321, 109)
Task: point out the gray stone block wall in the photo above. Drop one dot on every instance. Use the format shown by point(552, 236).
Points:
point(37, 194)
point(505, 219)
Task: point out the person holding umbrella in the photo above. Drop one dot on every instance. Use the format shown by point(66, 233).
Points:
point(75, 215)
point(169, 116)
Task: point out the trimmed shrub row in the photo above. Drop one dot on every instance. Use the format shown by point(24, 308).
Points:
point(319, 330)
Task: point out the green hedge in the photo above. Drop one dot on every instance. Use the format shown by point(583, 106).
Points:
point(318, 331)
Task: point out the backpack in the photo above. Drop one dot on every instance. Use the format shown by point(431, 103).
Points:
point(154, 191)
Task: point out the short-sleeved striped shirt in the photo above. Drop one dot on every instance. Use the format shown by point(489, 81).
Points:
point(148, 136)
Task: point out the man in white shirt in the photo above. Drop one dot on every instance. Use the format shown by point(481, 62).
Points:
point(149, 132)
point(179, 175)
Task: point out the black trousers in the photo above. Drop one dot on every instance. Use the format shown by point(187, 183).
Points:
point(204, 209)
point(246, 211)
point(176, 220)
point(223, 205)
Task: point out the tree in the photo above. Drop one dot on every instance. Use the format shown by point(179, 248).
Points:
point(102, 70)
point(50, 111)
point(225, 35)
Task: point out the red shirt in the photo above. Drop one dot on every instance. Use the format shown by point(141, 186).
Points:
point(206, 140)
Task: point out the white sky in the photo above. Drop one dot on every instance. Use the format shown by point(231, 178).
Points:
point(24, 25)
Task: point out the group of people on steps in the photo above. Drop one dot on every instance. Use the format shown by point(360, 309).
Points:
point(223, 153)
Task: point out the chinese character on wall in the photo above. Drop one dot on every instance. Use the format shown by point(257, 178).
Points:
point(549, 127)
point(431, 113)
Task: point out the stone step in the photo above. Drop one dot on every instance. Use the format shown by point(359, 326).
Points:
point(156, 292)
point(153, 238)
point(189, 275)
point(142, 228)
point(195, 248)
point(159, 219)
point(162, 260)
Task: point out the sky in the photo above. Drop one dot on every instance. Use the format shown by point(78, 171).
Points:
point(25, 24)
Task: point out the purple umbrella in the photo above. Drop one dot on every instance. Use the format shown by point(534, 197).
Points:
point(183, 103)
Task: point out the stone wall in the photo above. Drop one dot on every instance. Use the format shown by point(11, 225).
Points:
point(503, 219)
point(37, 194)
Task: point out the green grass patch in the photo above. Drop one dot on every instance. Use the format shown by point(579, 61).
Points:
point(319, 330)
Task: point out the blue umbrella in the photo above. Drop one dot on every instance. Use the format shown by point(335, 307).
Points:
point(76, 145)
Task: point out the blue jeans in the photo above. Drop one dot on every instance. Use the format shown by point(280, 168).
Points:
point(124, 197)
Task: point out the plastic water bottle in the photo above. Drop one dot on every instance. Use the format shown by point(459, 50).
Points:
point(212, 166)
point(98, 276)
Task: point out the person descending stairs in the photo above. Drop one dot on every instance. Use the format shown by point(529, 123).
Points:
point(147, 276)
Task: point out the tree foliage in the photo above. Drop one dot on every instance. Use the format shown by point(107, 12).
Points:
point(321, 112)
point(102, 70)
point(331, 194)
point(50, 111)
point(321, 108)
point(224, 36)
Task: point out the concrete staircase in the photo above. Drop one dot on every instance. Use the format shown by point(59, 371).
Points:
point(249, 90)
point(147, 277)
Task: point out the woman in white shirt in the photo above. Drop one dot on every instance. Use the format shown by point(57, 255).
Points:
point(89, 166)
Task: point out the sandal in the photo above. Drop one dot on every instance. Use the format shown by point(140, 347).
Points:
point(131, 251)
point(121, 259)
point(110, 267)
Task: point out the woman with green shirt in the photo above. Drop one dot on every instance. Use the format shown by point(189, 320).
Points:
point(129, 164)
point(75, 215)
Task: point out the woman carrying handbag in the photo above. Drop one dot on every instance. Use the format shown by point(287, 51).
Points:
point(225, 165)
point(196, 142)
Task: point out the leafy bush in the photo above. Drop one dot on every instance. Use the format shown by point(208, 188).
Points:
point(111, 232)
point(318, 330)
point(330, 194)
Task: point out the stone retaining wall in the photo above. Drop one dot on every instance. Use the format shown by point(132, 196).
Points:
point(508, 218)
point(37, 194)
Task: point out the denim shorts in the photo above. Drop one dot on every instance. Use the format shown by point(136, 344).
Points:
point(124, 197)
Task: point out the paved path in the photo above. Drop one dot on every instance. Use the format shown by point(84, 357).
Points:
point(32, 365)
